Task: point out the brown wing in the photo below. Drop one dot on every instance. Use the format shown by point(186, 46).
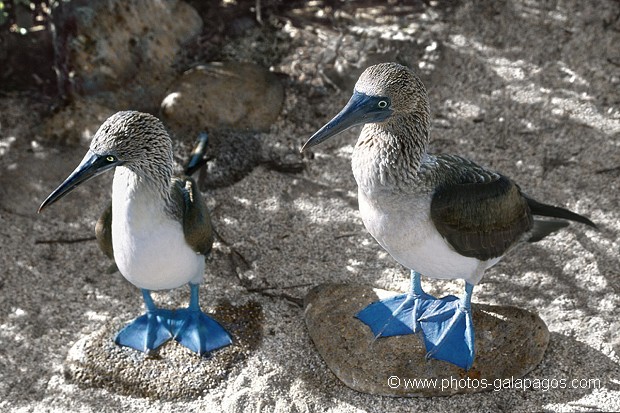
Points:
point(103, 232)
point(196, 221)
point(481, 215)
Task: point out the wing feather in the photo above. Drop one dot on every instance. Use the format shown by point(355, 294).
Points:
point(196, 221)
point(103, 232)
point(481, 214)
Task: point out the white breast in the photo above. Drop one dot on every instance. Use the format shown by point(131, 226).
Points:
point(149, 246)
point(402, 225)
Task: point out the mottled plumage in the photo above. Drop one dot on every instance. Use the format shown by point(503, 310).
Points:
point(442, 216)
point(157, 228)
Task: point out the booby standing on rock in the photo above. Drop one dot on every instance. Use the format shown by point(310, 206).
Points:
point(442, 216)
point(157, 229)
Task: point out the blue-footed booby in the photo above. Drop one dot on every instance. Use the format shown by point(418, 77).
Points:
point(157, 229)
point(442, 216)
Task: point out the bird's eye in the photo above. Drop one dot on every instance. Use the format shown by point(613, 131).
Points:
point(382, 104)
point(110, 158)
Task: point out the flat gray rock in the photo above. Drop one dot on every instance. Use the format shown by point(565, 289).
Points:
point(174, 372)
point(509, 343)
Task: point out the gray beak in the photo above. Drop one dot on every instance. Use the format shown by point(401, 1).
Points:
point(360, 109)
point(91, 166)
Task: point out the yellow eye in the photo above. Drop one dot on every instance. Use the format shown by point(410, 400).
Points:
point(382, 104)
point(109, 158)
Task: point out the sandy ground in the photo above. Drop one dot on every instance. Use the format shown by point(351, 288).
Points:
point(530, 90)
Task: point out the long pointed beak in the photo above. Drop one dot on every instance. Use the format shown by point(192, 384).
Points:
point(91, 166)
point(360, 109)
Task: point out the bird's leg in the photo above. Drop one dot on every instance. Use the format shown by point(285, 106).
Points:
point(197, 331)
point(448, 329)
point(149, 331)
point(421, 300)
point(399, 314)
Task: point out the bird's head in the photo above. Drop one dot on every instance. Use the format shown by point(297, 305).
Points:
point(383, 93)
point(133, 139)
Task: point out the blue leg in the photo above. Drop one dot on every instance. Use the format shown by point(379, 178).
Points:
point(449, 331)
point(197, 331)
point(397, 315)
point(149, 331)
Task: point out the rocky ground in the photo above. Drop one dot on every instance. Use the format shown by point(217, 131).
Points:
point(526, 88)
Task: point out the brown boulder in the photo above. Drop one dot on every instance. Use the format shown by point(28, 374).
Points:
point(230, 95)
point(509, 343)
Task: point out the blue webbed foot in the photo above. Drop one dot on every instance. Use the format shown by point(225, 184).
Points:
point(199, 332)
point(196, 330)
point(147, 332)
point(397, 315)
point(448, 330)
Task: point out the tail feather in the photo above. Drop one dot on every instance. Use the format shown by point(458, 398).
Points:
point(551, 211)
point(542, 228)
point(198, 158)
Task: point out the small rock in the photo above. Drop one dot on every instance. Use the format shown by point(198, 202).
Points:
point(509, 343)
point(175, 372)
point(230, 95)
